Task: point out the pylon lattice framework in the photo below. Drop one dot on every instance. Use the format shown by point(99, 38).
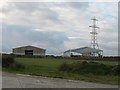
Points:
point(94, 43)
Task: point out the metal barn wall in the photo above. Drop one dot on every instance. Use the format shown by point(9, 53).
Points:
point(36, 51)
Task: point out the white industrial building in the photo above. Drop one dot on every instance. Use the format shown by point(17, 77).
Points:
point(84, 51)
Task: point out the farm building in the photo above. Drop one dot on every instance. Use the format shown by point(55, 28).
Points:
point(29, 50)
point(84, 51)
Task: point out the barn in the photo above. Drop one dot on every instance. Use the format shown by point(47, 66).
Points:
point(84, 51)
point(29, 51)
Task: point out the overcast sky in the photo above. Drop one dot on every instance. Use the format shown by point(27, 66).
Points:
point(59, 26)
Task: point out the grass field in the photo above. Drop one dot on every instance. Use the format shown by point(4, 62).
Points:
point(49, 67)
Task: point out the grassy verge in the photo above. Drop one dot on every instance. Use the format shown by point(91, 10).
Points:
point(49, 67)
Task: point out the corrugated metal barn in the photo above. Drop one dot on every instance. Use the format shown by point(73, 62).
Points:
point(84, 51)
point(29, 51)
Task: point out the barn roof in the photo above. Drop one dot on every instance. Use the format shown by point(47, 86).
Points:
point(29, 46)
point(84, 50)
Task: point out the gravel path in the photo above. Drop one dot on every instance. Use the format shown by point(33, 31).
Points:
point(10, 80)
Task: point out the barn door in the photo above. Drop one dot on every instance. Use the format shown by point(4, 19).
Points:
point(28, 52)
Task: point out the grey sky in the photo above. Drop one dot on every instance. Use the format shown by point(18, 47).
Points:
point(59, 26)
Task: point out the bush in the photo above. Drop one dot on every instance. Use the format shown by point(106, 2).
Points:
point(86, 67)
point(65, 67)
point(116, 70)
point(95, 68)
point(7, 60)
point(17, 66)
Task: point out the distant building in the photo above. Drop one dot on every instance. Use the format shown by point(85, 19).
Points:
point(29, 51)
point(84, 51)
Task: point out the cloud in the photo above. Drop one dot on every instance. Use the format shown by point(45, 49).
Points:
point(58, 26)
point(14, 36)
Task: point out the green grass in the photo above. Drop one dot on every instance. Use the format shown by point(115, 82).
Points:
point(109, 62)
point(49, 67)
point(104, 62)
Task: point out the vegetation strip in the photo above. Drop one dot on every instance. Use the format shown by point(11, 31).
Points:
point(50, 67)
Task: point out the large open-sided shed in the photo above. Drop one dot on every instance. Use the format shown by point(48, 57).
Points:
point(84, 51)
point(29, 50)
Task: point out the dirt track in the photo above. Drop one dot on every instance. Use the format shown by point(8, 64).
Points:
point(10, 80)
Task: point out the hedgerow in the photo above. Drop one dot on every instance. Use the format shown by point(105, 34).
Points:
point(90, 67)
